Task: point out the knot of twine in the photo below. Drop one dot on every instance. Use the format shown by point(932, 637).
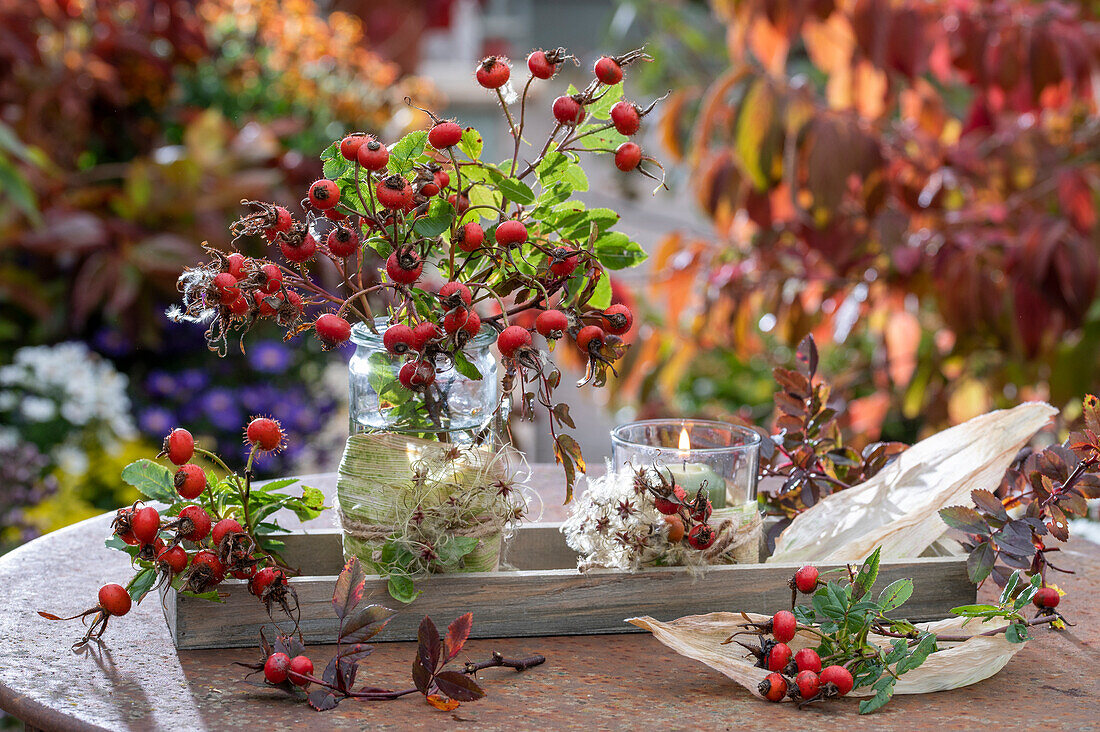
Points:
point(732, 536)
point(477, 528)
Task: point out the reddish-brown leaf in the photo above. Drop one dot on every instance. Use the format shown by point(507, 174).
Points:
point(349, 588)
point(422, 677)
point(430, 646)
point(458, 685)
point(457, 633)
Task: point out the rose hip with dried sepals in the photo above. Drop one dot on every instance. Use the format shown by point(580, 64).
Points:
point(399, 339)
point(404, 268)
point(194, 523)
point(145, 524)
point(777, 657)
point(455, 294)
point(839, 677)
point(223, 528)
point(1046, 598)
point(373, 155)
point(342, 242)
point(174, 558)
point(114, 599)
point(324, 194)
point(701, 536)
point(444, 135)
point(493, 72)
point(276, 668)
point(784, 625)
point(626, 118)
point(469, 237)
point(423, 334)
point(568, 111)
point(179, 446)
point(512, 339)
point(551, 323)
point(808, 684)
point(608, 71)
point(773, 687)
point(805, 579)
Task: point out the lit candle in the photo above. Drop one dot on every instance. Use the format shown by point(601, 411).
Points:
point(693, 476)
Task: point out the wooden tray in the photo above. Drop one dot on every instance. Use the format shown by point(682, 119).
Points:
point(544, 595)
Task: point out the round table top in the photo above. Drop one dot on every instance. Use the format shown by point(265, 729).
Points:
point(137, 680)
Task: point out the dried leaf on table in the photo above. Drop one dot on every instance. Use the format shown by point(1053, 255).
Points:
point(700, 637)
point(897, 508)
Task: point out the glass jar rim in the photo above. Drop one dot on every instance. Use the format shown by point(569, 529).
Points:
point(361, 335)
point(752, 438)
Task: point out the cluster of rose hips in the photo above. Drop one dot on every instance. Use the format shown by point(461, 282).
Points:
point(569, 109)
point(684, 516)
point(280, 667)
point(800, 675)
point(190, 544)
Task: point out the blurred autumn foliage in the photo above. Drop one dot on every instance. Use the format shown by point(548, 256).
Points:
point(128, 128)
point(913, 182)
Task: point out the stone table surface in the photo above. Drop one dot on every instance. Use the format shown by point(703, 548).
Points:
point(137, 680)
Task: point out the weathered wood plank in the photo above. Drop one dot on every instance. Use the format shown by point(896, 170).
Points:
point(545, 596)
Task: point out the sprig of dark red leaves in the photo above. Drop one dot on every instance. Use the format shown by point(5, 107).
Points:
point(444, 689)
point(807, 448)
point(1052, 484)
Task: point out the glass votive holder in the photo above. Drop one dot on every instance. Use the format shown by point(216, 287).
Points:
point(723, 458)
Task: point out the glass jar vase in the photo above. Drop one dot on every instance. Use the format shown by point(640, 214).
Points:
point(454, 408)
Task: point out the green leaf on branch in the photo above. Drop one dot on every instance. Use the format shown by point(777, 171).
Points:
point(882, 695)
point(1016, 633)
point(868, 573)
point(917, 655)
point(616, 250)
point(895, 595)
point(465, 367)
point(601, 140)
point(601, 108)
point(601, 296)
point(333, 164)
point(471, 143)
point(513, 189)
point(401, 588)
point(151, 479)
point(142, 582)
point(438, 219)
point(452, 551)
point(407, 151)
point(557, 168)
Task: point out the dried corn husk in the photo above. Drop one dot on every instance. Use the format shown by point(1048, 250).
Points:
point(957, 664)
point(897, 508)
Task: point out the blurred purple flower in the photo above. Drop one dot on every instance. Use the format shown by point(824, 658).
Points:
point(156, 421)
point(111, 343)
point(222, 409)
point(193, 380)
point(269, 357)
point(161, 384)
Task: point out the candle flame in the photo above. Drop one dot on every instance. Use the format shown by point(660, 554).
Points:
point(685, 440)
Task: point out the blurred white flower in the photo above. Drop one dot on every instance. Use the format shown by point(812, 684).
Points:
point(38, 409)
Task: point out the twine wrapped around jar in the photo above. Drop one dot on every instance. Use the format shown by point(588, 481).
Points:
point(423, 494)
